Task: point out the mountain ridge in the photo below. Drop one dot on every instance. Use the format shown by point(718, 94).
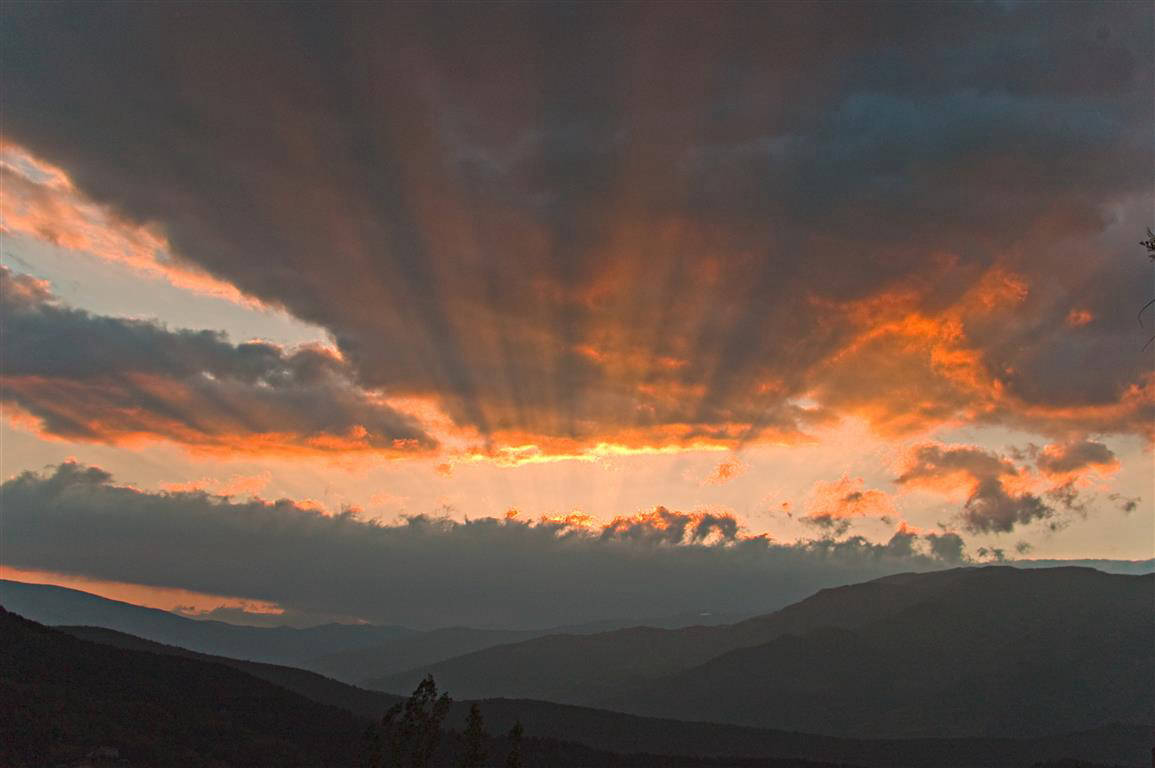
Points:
point(622, 734)
point(724, 676)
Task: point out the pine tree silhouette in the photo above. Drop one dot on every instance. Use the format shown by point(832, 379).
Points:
point(424, 713)
point(515, 734)
point(474, 739)
point(410, 734)
point(390, 737)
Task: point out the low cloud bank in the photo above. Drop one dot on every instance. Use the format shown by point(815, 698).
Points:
point(429, 571)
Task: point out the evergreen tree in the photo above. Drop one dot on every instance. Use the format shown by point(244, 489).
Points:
point(424, 713)
point(515, 734)
point(391, 736)
point(373, 738)
point(410, 734)
point(474, 739)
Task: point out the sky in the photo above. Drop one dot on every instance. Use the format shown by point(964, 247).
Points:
point(524, 315)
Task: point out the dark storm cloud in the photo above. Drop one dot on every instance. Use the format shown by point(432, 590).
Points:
point(425, 571)
point(582, 221)
point(94, 378)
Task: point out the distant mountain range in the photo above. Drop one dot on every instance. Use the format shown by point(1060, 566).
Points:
point(981, 652)
point(63, 696)
point(53, 605)
point(917, 670)
point(348, 652)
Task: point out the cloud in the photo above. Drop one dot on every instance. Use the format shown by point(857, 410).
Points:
point(662, 526)
point(1067, 458)
point(76, 376)
point(1077, 318)
point(570, 227)
point(40, 201)
point(991, 509)
point(945, 467)
point(948, 546)
point(725, 472)
point(1125, 503)
point(426, 570)
point(235, 485)
point(998, 494)
point(834, 506)
point(982, 475)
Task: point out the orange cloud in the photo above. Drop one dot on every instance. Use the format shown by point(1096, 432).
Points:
point(161, 597)
point(1077, 318)
point(70, 375)
point(996, 494)
point(725, 472)
point(664, 526)
point(1076, 461)
point(235, 485)
point(108, 412)
point(835, 504)
point(41, 202)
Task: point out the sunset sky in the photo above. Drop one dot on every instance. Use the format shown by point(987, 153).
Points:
point(337, 312)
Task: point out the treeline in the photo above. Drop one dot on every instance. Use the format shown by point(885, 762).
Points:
point(408, 735)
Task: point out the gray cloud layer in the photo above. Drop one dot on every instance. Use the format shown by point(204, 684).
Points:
point(427, 571)
point(88, 377)
point(470, 196)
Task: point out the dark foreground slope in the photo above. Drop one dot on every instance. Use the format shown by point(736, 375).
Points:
point(979, 652)
point(196, 709)
point(62, 697)
point(319, 688)
point(611, 732)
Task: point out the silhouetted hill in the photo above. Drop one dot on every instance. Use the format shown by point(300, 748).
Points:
point(53, 605)
point(310, 684)
point(600, 732)
point(616, 732)
point(998, 652)
point(62, 697)
point(413, 650)
point(349, 652)
point(976, 651)
point(613, 662)
point(1130, 567)
point(407, 651)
